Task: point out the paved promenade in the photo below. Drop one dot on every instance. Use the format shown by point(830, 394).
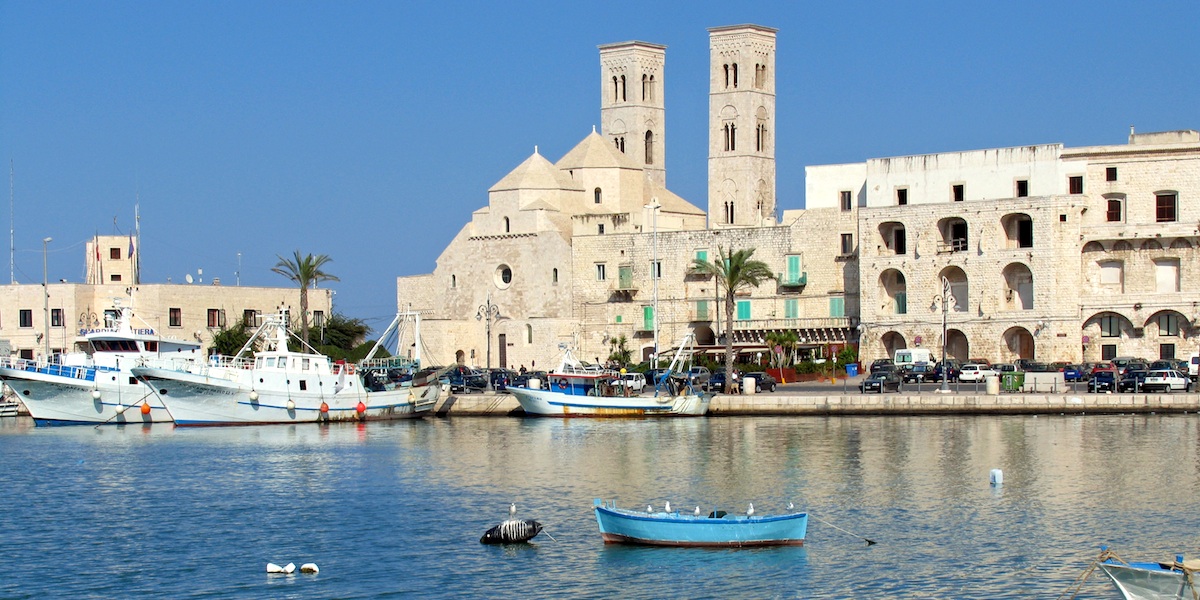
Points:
point(833, 402)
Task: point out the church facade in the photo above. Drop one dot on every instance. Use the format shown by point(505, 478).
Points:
point(1042, 252)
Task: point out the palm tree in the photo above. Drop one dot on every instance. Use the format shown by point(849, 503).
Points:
point(734, 271)
point(306, 271)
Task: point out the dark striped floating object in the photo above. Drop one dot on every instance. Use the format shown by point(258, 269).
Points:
point(512, 531)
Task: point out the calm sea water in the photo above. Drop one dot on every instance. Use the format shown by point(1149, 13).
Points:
point(396, 509)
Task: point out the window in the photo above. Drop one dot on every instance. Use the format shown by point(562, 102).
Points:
point(847, 244)
point(1166, 352)
point(318, 318)
point(600, 229)
point(250, 317)
point(1108, 351)
point(791, 308)
point(845, 196)
point(730, 137)
point(1110, 326)
point(837, 306)
point(554, 276)
point(1022, 188)
point(902, 303)
point(1111, 273)
point(760, 76)
point(507, 226)
point(453, 281)
point(649, 147)
point(56, 317)
point(743, 310)
point(1168, 325)
point(902, 197)
point(1110, 174)
point(702, 255)
point(597, 195)
point(620, 143)
point(1025, 233)
point(114, 253)
point(216, 317)
point(625, 277)
point(25, 317)
point(175, 317)
point(529, 334)
point(622, 88)
point(702, 310)
point(1166, 275)
point(957, 192)
point(656, 269)
point(1164, 207)
point(600, 274)
point(760, 137)
point(1075, 184)
point(792, 276)
point(1114, 213)
point(900, 241)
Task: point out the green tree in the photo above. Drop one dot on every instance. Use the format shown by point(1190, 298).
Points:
point(341, 337)
point(307, 272)
point(620, 352)
point(229, 340)
point(734, 271)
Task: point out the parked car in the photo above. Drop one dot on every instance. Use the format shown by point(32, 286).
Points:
point(881, 381)
point(636, 382)
point(501, 378)
point(462, 379)
point(1166, 380)
point(951, 375)
point(1074, 373)
point(881, 363)
point(1169, 364)
point(716, 382)
point(975, 372)
point(1103, 381)
point(1103, 366)
point(1004, 368)
point(918, 374)
point(522, 380)
point(980, 361)
point(1134, 366)
point(1131, 381)
point(699, 376)
point(763, 382)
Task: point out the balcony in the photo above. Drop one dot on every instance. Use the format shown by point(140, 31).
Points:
point(785, 324)
point(952, 246)
point(792, 280)
point(694, 273)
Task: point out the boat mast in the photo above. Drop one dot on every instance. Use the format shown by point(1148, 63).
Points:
point(12, 236)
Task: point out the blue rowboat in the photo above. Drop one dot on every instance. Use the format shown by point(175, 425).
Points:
point(622, 526)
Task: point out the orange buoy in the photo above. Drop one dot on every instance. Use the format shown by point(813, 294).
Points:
point(361, 408)
point(324, 407)
point(145, 408)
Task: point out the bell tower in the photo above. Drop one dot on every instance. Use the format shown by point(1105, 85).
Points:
point(632, 113)
point(741, 144)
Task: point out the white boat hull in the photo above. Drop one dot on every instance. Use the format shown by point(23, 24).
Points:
point(53, 399)
point(1148, 582)
point(248, 397)
point(551, 403)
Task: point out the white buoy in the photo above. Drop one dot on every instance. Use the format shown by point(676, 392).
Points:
point(309, 568)
point(253, 396)
point(997, 477)
point(95, 394)
point(291, 405)
point(274, 568)
point(290, 568)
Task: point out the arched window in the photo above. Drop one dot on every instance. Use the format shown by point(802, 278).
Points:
point(726, 75)
point(730, 131)
point(622, 88)
point(529, 334)
point(616, 89)
point(507, 229)
point(554, 277)
point(760, 137)
point(651, 98)
point(734, 74)
point(453, 281)
point(649, 147)
point(645, 87)
point(598, 195)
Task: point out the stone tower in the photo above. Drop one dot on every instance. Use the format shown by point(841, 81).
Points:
point(632, 113)
point(741, 147)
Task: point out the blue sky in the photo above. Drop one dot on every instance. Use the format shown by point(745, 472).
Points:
point(369, 131)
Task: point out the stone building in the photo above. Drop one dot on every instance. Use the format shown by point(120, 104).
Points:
point(1041, 252)
point(66, 311)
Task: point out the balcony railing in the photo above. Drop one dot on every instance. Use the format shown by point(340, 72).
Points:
point(799, 323)
point(792, 279)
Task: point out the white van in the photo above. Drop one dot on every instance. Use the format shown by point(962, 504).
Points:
point(906, 358)
point(1194, 367)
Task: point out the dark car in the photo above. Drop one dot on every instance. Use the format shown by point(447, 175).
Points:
point(881, 381)
point(462, 379)
point(763, 382)
point(522, 380)
point(918, 374)
point(501, 379)
point(952, 373)
point(1103, 381)
point(1130, 367)
point(1131, 381)
point(881, 363)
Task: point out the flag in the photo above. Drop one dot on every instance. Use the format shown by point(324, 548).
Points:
point(131, 246)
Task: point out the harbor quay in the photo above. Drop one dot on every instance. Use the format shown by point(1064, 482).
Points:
point(831, 403)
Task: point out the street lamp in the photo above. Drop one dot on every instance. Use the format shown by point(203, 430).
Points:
point(654, 206)
point(945, 299)
point(46, 296)
point(490, 312)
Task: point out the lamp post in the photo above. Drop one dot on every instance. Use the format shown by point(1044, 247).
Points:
point(945, 299)
point(490, 312)
point(46, 297)
point(654, 206)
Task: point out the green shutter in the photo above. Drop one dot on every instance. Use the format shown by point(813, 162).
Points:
point(648, 318)
point(793, 270)
point(743, 310)
point(702, 310)
point(791, 308)
point(837, 306)
point(901, 303)
point(618, 318)
point(625, 278)
point(702, 255)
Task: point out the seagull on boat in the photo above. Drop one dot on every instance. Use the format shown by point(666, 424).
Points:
point(668, 507)
point(750, 511)
point(649, 508)
point(697, 511)
point(791, 506)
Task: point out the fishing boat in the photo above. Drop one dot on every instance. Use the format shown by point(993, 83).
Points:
point(717, 528)
point(577, 390)
point(278, 385)
point(1154, 581)
point(95, 384)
